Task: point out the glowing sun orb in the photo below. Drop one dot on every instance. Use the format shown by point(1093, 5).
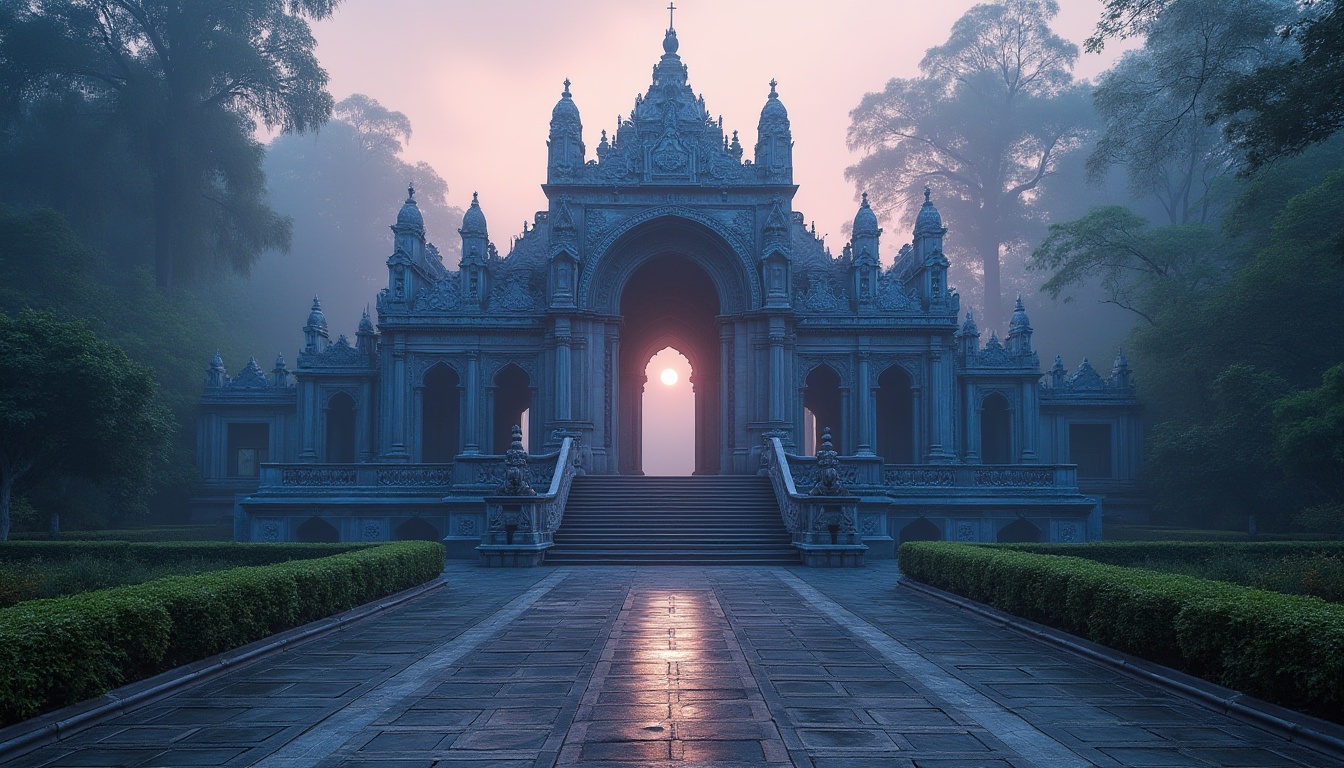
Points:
point(669, 376)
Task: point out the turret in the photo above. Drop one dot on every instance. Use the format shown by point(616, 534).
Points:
point(409, 231)
point(475, 250)
point(866, 259)
point(280, 374)
point(315, 332)
point(565, 150)
point(1019, 331)
point(1058, 373)
point(774, 139)
point(1121, 376)
point(928, 250)
point(366, 338)
point(216, 377)
point(968, 338)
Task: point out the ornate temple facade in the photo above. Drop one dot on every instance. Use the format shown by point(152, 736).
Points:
point(670, 233)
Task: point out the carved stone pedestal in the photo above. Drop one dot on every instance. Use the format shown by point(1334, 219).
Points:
point(828, 538)
point(516, 535)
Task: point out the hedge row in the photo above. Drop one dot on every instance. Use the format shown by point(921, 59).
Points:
point(1285, 649)
point(160, 553)
point(161, 533)
point(1123, 532)
point(1130, 552)
point(57, 652)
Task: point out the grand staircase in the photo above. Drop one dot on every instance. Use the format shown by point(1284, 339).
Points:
point(622, 520)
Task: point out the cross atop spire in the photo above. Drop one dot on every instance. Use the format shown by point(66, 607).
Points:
point(671, 9)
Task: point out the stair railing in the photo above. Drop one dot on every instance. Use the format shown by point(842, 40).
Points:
point(520, 522)
point(820, 522)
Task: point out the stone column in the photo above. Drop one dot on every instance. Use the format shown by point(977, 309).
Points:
point(398, 417)
point(867, 425)
point(308, 396)
point(563, 375)
point(1029, 420)
point(940, 430)
point(778, 385)
point(472, 413)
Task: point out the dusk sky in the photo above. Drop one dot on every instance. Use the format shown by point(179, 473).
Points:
point(478, 81)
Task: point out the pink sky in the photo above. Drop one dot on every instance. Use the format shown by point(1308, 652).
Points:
point(478, 79)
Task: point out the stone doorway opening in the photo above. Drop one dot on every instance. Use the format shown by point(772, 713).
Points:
point(668, 415)
point(669, 302)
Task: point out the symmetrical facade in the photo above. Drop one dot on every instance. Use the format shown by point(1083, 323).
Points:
point(671, 234)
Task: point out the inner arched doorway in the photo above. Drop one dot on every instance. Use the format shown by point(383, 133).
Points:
point(669, 301)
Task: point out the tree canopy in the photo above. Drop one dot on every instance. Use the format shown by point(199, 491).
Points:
point(72, 404)
point(184, 83)
point(984, 124)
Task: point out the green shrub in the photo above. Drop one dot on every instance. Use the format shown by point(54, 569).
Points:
point(58, 652)
point(1285, 649)
point(160, 533)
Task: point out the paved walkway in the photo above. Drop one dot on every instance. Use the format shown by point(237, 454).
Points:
point(663, 666)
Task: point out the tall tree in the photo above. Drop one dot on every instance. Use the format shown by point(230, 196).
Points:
point(1283, 107)
point(995, 107)
point(72, 404)
point(187, 81)
point(1157, 102)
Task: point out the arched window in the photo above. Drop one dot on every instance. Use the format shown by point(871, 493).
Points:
point(440, 416)
point(996, 432)
point(513, 396)
point(821, 397)
point(1018, 532)
point(315, 529)
point(341, 429)
point(895, 417)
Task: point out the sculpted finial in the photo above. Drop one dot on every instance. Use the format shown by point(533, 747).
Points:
point(410, 191)
point(773, 83)
point(566, 91)
point(927, 190)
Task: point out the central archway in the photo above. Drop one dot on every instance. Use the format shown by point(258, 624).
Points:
point(673, 277)
point(670, 301)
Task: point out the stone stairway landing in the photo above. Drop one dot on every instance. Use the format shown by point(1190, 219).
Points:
point(720, 520)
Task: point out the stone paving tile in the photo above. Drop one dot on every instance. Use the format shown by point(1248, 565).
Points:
point(664, 666)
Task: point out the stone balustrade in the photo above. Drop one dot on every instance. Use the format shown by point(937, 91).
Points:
point(822, 527)
point(520, 528)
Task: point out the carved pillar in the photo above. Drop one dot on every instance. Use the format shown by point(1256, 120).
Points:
point(399, 417)
point(778, 386)
point(867, 424)
point(418, 423)
point(472, 413)
point(492, 429)
point(563, 376)
point(366, 430)
point(308, 394)
point(972, 408)
point(939, 389)
point(1029, 420)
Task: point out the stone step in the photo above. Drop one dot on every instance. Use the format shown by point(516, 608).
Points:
point(672, 521)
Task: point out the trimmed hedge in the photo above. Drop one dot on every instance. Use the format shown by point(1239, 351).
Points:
point(1123, 532)
point(159, 553)
point(1285, 649)
point(1130, 552)
point(58, 652)
point(160, 533)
